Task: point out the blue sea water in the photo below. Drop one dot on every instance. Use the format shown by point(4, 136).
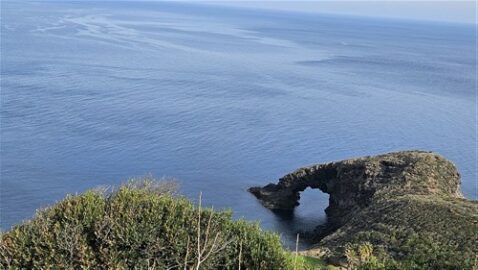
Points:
point(93, 93)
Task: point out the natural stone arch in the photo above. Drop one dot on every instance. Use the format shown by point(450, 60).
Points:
point(391, 201)
point(353, 184)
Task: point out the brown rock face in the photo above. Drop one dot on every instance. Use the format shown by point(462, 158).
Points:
point(355, 183)
point(407, 203)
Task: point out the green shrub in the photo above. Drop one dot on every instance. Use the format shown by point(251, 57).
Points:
point(361, 257)
point(142, 225)
point(138, 227)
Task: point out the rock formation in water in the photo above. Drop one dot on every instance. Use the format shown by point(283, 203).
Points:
point(389, 200)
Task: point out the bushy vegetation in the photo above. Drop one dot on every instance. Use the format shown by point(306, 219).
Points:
point(418, 232)
point(143, 225)
point(365, 256)
point(139, 227)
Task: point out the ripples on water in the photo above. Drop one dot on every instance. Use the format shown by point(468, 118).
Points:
point(95, 92)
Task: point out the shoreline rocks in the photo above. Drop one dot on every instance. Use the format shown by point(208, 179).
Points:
point(388, 200)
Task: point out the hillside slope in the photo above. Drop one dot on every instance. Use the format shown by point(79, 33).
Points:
point(408, 204)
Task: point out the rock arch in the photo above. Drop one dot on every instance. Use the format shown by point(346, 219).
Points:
point(354, 184)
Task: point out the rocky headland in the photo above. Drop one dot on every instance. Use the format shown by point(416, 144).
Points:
point(406, 203)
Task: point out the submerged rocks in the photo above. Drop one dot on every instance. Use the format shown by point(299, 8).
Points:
point(386, 199)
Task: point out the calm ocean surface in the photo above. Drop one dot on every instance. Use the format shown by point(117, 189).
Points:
point(93, 93)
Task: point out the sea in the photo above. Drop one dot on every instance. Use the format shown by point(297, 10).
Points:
point(221, 99)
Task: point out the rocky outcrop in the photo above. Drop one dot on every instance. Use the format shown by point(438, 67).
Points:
point(353, 184)
point(403, 194)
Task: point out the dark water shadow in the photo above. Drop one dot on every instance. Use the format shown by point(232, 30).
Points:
point(304, 219)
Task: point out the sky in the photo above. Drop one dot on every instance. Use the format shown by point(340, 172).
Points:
point(450, 11)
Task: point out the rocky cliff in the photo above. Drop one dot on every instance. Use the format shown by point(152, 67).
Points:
point(388, 200)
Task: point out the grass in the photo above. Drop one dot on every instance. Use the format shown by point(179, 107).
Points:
point(420, 231)
point(312, 263)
